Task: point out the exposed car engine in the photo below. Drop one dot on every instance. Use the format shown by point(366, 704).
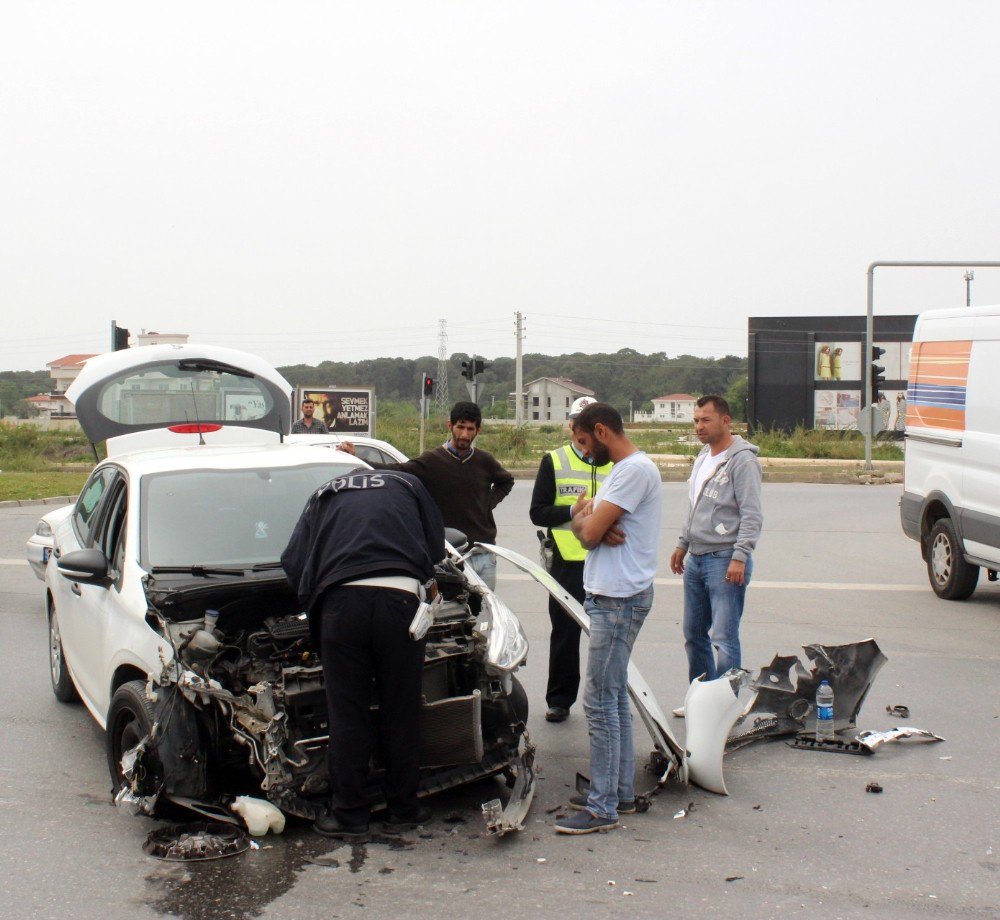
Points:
point(249, 667)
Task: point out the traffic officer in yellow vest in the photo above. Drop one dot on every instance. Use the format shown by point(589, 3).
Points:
point(564, 474)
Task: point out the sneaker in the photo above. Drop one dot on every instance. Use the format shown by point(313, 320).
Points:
point(407, 822)
point(556, 714)
point(678, 713)
point(579, 802)
point(329, 826)
point(585, 822)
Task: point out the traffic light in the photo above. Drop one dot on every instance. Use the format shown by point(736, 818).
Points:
point(468, 369)
point(878, 374)
point(428, 385)
point(119, 337)
point(478, 366)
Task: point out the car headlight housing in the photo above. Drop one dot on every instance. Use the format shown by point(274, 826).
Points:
point(43, 529)
point(506, 643)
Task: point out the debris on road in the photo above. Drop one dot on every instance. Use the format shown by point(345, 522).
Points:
point(785, 690)
point(198, 841)
point(807, 741)
point(872, 740)
point(258, 815)
point(900, 712)
point(684, 812)
point(873, 787)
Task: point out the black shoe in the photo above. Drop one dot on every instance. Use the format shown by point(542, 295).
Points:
point(556, 714)
point(407, 821)
point(329, 826)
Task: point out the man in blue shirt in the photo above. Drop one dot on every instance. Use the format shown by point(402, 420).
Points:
point(618, 580)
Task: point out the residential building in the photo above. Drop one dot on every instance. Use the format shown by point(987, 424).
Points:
point(549, 398)
point(676, 408)
point(63, 372)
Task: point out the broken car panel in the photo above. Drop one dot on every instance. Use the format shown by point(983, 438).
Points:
point(785, 691)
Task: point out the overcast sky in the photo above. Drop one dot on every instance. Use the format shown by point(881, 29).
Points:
point(312, 181)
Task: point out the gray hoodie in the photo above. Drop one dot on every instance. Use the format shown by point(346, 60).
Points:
point(727, 512)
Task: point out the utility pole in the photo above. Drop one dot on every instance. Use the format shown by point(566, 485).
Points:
point(441, 399)
point(968, 276)
point(423, 412)
point(519, 372)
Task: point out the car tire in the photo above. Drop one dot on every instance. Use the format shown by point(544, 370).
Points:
point(951, 577)
point(62, 684)
point(130, 719)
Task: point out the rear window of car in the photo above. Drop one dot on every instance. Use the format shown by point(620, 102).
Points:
point(225, 517)
point(182, 392)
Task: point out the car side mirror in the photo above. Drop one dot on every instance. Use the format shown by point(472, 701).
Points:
point(89, 565)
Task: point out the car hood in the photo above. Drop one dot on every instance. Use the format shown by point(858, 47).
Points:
point(162, 395)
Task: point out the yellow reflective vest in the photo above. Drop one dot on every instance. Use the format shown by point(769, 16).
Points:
point(573, 478)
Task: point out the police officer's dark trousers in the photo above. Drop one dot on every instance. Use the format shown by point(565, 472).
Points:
point(368, 656)
point(564, 646)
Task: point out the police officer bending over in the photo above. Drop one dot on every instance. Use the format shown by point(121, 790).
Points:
point(359, 559)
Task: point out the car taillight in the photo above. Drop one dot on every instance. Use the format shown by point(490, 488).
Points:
point(194, 428)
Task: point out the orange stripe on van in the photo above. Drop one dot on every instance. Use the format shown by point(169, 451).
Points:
point(939, 374)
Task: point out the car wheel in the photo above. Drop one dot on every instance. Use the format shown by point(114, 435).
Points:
point(130, 719)
point(950, 575)
point(62, 684)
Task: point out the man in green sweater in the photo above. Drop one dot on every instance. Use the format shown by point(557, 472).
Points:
point(465, 482)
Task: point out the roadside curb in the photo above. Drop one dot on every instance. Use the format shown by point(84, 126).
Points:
point(31, 502)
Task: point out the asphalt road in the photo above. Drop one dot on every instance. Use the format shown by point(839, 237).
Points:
point(797, 836)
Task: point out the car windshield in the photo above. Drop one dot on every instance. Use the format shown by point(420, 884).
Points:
point(225, 517)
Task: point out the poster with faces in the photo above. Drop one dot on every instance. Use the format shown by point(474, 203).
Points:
point(837, 361)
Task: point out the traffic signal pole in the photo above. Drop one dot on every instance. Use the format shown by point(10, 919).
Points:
point(869, 327)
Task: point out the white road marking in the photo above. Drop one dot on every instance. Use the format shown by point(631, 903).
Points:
point(776, 585)
point(678, 583)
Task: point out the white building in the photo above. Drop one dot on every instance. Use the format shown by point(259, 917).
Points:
point(676, 408)
point(548, 398)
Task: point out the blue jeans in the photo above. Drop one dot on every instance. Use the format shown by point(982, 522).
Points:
point(712, 611)
point(484, 564)
point(614, 624)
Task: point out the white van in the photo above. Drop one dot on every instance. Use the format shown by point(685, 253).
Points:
point(951, 479)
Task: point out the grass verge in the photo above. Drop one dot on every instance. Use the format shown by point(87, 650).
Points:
point(20, 486)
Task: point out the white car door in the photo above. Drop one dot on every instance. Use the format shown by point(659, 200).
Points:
point(78, 604)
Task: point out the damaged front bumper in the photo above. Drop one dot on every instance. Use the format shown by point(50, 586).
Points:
point(502, 819)
point(256, 723)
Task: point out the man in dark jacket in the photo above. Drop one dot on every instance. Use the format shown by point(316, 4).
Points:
point(466, 483)
point(361, 558)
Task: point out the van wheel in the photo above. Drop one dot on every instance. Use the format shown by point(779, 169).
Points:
point(950, 575)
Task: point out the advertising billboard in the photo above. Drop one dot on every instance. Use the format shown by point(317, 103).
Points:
point(345, 411)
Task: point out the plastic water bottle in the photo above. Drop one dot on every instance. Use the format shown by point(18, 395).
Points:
point(824, 712)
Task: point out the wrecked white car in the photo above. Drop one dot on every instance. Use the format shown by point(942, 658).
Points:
point(170, 616)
